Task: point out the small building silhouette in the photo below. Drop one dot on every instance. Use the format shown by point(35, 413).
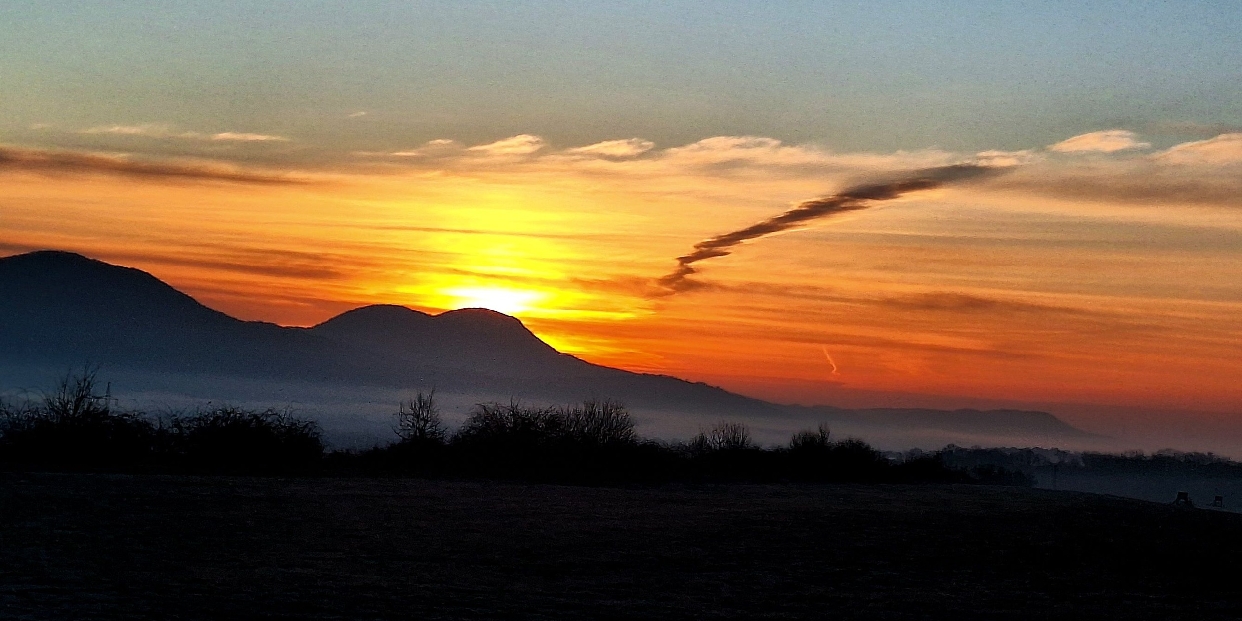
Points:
point(1183, 500)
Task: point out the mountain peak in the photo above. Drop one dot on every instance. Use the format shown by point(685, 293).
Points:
point(50, 255)
point(470, 337)
point(63, 278)
point(57, 260)
point(73, 306)
point(481, 316)
point(377, 314)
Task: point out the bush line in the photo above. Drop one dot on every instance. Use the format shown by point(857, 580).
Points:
point(594, 442)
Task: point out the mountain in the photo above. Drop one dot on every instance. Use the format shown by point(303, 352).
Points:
point(61, 310)
point(66, 309)
point(473, 339)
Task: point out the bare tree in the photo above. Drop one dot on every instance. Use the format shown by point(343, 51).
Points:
point(730, 436)
point(725, 436)
point(74, 398)
point(418, 420)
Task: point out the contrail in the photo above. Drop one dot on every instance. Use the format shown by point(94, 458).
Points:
point(851, 199)
point(830, 360)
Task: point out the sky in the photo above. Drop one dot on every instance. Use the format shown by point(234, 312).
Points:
point(554, 160)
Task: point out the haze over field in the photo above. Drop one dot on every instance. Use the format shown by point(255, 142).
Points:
point(764, 198)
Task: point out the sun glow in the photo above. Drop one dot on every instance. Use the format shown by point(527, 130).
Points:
point(499, 299)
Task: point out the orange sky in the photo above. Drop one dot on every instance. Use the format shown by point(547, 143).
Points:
point(1098, 270)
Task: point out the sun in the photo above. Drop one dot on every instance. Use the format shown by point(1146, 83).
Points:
point(499, 299)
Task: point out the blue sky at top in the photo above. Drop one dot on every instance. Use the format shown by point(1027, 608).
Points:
point(847, 75)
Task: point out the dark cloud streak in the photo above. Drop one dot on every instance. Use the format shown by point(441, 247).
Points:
point(851, 199)
point(74, 162)
point(1146, 184)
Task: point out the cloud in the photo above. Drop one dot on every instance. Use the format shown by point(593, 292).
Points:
point(524, 144)
point(629, 147)
point(159, 130)
point(354, 115)
point(743, 155)
point(755, 172)
point(1108, 141)
point(966, 303)
point(1199, 130)
point(247, 137)
point(850, 199)
point(1223, 149)
point(281, 263)
point(764, 160)
point(439, 146)
point(1169, 178)
point(1007, 158)
point(45, 161)
point(759, 172)
point(146, 129)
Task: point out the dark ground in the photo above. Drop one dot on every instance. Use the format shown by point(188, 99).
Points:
point(108, 547)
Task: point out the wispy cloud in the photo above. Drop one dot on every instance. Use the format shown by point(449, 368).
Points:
point(45, 161)
point(247, 137)
point(731, 168)
point(724, 152)
point(629, 147)
point(1008, 158)
point(1107, 141)
point(720, 154)
point(146, 129)
point(354, 115)
point(1190, 173)
point(1223, 149)
point(957, 302)
point(159, 130)
point(439, 146)
point(524, 144)
point(266, 262)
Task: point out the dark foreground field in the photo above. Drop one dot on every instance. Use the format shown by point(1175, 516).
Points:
point(106, 546)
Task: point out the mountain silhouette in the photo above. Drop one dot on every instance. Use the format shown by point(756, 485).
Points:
point(72, 310)
point(473, 339)
point(64, 308)
point(61, 309)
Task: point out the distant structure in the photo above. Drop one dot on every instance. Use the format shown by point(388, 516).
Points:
point(1183, 500)
point(1219, 501)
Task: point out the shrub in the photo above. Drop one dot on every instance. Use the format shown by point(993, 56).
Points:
point(234, 440)
point(74, 428)
point(817, 440)
point(813, 456)
point(589, 442)
point(509, 424)
point(597, 423)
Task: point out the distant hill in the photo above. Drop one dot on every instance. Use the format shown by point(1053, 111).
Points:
point(470, 339)
point(66, 309)
point(63, 309)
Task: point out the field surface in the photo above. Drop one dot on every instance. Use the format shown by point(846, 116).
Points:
point(121, 547)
